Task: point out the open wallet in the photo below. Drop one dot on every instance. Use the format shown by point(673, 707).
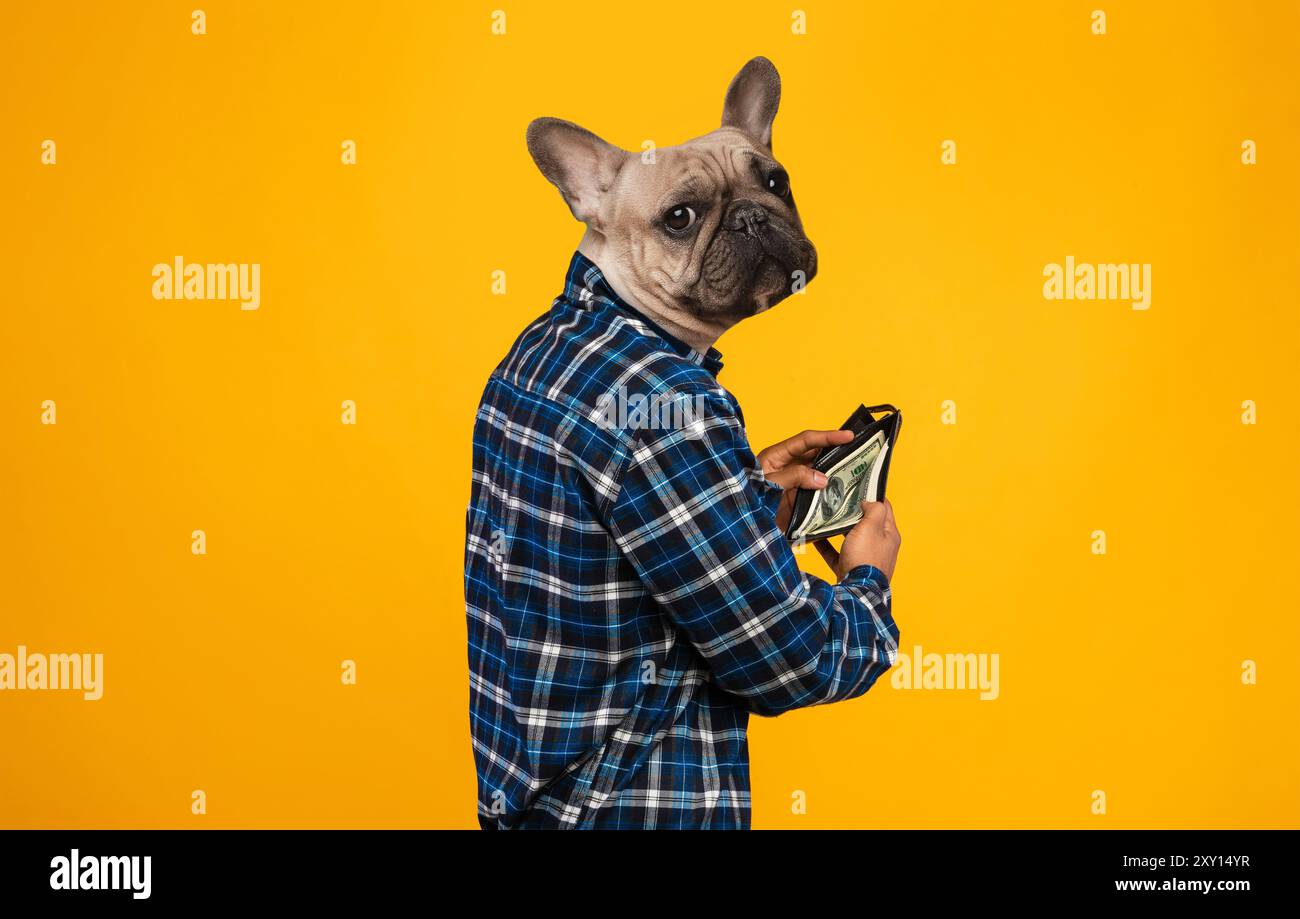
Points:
point(855, 472)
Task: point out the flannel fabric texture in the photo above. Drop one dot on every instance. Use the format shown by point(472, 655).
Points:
point(630, 599)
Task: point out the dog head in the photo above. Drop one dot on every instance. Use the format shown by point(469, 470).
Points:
point(707, 229)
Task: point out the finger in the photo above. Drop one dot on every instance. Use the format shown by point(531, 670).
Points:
point(798, 447)
point(873, 515)
point(890, 525)
point(807, 456)
point(798, 477)
point(828, 553)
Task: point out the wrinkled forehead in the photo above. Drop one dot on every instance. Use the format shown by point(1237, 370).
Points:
point(699, 169)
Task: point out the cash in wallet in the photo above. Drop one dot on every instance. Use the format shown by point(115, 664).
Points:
point(855, 472)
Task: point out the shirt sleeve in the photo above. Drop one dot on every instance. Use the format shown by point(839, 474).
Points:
point(697, 522)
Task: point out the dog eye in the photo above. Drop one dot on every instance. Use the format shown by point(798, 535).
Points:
point(679, 218)
point(778, 183)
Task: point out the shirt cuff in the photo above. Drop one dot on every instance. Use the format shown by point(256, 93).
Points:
point(868, 573)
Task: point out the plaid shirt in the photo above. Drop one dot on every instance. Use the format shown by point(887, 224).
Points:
point(630, 599)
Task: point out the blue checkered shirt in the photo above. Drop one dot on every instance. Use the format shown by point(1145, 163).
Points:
point(630, 599)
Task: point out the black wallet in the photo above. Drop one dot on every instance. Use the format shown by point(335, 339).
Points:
point(856, 472)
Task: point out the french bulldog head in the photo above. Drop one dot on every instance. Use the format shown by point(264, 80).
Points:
point(700, 235)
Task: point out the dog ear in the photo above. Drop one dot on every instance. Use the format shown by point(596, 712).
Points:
point(752, 100)
point(577, 162)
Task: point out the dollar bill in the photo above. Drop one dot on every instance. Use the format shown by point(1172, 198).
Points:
point(850, 482)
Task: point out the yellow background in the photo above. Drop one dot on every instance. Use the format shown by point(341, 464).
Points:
point(327, 542)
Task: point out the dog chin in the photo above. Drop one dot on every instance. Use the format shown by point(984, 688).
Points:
point(744, 275)
point(771, 285)
point(767, 285)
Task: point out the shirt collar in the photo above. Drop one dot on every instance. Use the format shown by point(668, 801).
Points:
point(585, 283)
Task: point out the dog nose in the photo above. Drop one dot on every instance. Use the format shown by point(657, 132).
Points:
point(746, 215)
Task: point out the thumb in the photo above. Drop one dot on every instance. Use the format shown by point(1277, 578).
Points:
point(874, 515)
point(798, 477)
point(869, 528)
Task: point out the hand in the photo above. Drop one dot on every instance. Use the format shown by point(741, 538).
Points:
point(786, 464)
point(874, 541)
